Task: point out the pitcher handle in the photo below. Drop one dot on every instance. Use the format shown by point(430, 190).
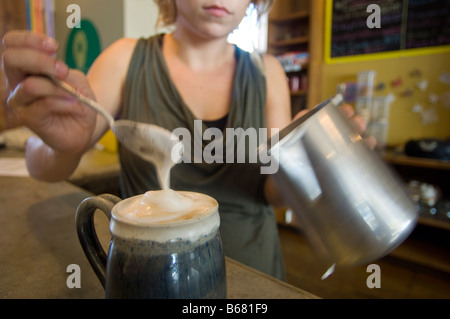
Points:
point(87, 235)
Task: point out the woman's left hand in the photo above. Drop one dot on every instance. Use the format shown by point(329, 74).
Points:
point(358, 122)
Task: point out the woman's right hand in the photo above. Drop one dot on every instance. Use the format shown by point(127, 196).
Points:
point(61, 122)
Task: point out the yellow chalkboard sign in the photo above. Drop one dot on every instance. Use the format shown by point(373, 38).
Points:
point(406, 28)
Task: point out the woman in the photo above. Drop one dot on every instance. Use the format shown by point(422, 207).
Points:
point(169, 80)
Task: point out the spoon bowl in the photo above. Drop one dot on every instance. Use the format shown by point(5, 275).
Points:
point(152, 143)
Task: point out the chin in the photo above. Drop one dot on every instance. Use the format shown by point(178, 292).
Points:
point(207, 28)
point(215, 31)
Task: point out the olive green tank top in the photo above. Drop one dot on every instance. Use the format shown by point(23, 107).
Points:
point(248, 228)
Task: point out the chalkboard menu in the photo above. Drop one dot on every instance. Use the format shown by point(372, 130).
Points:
point(403, 25)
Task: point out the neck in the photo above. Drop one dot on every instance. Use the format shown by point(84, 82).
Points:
point(199, 53)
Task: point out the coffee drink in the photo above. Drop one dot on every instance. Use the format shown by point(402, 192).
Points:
point(166, 206)
point(170, 261)
point(176, 269)
point(165, 244)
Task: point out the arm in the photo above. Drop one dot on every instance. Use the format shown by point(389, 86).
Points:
point(46, 164)
point(39, 105)
point(107, 77)
point(64, 127)
point(278, 115)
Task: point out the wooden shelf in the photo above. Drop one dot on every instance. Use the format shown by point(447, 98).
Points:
point(299, 93)
point(290, 31)
point(401, 159)
point(303, 69)
point(289, 18)
point(425, 170)
point(290, 42)
point(436, 223)
point(427, 248)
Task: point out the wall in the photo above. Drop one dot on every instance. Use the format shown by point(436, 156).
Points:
point(404, 124)
point(139, 18)
point(113, 19)
point(106, 15)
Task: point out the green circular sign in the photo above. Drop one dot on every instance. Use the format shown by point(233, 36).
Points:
point(83, 46)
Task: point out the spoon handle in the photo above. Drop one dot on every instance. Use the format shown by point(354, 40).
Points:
point(89, 102)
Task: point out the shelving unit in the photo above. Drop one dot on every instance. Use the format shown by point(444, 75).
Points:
point(289, 39)
point(427, 170)
point(428, 245)
point(12, 16)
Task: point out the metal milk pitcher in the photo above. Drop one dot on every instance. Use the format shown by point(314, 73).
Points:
point(351, 206)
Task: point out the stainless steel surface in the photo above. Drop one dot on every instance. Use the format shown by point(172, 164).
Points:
point(151, 142)
point(350, 205)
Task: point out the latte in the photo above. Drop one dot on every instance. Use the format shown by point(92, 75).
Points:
point(167, 210)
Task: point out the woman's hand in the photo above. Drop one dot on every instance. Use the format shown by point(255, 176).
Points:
point(358, 122)
point(64, 126)
point(59, 120)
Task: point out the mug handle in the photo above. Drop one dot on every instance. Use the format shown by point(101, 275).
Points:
point(84, 220)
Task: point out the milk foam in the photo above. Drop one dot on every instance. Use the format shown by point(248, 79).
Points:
point(166, 206)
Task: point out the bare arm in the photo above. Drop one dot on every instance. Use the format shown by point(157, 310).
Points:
point(64, 127)
point(107, 77)
point(278, 114)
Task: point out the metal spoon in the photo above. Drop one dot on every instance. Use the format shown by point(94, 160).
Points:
point(151, 142)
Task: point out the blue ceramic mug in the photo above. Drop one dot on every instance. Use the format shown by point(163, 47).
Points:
point(167, 259)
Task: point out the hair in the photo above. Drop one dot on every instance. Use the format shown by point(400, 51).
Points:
point(168, 10)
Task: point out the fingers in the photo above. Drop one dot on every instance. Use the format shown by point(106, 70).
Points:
point(359, 123)
point(31, 89)
point(44, 113)
point(41, 110)
point(28, 53)
point(26, 39)
point(347, 110)
point(37, 98)
point(19, 63)
point(370, 141)
point(300, 114)
point(78, 79)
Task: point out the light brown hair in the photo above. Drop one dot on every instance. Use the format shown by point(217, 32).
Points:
point(168, 10)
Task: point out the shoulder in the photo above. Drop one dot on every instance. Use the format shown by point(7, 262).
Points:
point(108, 73)
point(278, 108)
point(113, 62)
point(276, 77)
point(268, 64)
point(273, 66)
point(119, 50)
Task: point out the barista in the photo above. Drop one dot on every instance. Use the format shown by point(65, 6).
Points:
point(168, 80)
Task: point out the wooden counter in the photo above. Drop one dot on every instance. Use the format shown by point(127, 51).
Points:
point(39, 242)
